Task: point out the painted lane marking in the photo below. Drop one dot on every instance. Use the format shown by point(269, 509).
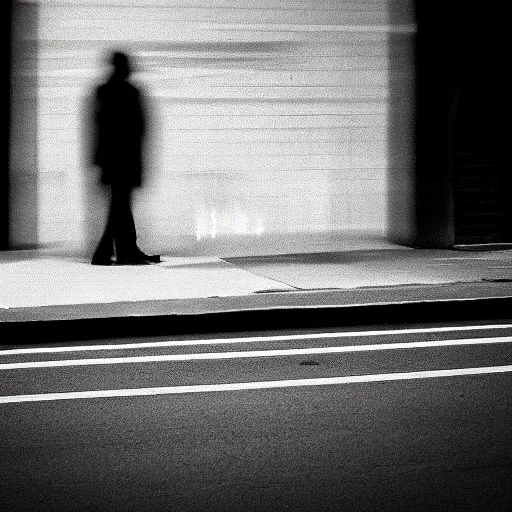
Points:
point(253, 339)
point(203, 356)
point(242, 386)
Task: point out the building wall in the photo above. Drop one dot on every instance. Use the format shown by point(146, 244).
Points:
point(267, 118)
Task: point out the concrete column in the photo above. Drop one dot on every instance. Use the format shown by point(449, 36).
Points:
point(436, 86)
point(23, 189)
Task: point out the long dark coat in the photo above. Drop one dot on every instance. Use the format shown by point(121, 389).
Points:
point(119, 133)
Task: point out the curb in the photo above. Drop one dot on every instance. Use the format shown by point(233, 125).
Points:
point(258, 319)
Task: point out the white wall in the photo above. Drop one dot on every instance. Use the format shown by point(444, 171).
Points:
point(268, 117)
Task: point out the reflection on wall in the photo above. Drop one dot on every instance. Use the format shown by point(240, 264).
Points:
point(266, 118)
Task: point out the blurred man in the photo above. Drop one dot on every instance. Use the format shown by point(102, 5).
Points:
point(119, 135)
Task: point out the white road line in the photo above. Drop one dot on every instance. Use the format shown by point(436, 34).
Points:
point(203, 356)
point(253, 339)
point(242, 386)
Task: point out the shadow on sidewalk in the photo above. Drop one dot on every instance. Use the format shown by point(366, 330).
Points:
point(341, 257)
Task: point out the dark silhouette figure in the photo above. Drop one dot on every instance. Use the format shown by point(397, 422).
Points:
point(118, 152)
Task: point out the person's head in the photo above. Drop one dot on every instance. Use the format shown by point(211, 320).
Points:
point(121, 65)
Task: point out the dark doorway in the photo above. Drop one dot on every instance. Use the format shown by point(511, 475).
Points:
point(479, 175)
point(463, 178)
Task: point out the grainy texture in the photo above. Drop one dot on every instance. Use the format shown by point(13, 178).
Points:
point(267, 117)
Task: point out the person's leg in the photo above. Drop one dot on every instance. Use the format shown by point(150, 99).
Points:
point(104, 251)
point(125, 235)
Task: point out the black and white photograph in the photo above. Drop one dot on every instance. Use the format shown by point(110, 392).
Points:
point(255, 256)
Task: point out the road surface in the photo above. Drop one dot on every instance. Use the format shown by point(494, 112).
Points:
point(381, 418)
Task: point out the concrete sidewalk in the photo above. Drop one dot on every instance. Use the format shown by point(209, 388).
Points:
point(43, 287)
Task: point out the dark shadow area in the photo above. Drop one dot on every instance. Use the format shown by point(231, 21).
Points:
point(462, 179)
point(401, 119)
point(357, 256)
point(5, 115)
point(435, 61)
point(62, 330)
point(23, 170)
point(481, 113)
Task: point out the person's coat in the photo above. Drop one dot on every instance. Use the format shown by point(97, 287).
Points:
point(119, 133)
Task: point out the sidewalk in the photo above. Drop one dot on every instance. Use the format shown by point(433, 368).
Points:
point(44, 290)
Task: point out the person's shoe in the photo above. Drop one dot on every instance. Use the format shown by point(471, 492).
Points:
point(105, 262)
point(137, 260)
point(155, 258)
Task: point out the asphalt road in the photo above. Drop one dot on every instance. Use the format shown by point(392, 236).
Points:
point(386, 419)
